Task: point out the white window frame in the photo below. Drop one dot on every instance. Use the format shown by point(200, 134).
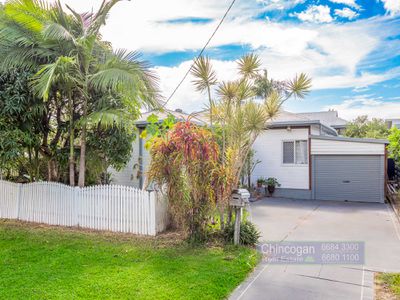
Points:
point(294, 154)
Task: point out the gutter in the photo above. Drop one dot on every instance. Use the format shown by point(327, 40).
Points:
point(347, 139)
point(295, 124)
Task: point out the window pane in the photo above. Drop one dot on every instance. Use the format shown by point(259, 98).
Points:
point(301, 152)
point(288, 152)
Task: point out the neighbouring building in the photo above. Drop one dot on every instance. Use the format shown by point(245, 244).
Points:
point(393, 123)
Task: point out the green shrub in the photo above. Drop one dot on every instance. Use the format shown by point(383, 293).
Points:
point(249, 234)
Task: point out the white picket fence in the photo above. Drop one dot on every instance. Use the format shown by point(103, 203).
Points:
point(105, 207)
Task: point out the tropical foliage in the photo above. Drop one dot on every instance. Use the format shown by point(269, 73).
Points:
point(200, 166)
point(84, 90)
point(242, 109)
point(362, 127)
point(394, 146)
point(185, 160)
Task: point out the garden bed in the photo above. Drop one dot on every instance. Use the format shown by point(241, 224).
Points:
point(43, 262)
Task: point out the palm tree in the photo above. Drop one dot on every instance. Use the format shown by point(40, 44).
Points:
point(62, 72)
point(67, 49)
point(249, 66)
point(205, 78)
point(243, 119)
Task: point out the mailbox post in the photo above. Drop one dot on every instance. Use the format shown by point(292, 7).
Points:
point(239, 199)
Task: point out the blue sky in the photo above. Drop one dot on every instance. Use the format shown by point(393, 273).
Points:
point(374, 97)
point(350, 48)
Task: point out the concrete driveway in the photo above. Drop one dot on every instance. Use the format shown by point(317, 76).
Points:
point(300, 220)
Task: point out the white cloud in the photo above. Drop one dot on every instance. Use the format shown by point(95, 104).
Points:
point(316, 14)
point(346, 13)
point(349, 109)
point(351, 3)
point(289, 49)
point(279, 4)
point(391, 6)
point(186, 97)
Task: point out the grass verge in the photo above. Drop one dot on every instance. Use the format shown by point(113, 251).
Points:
point(42, 262)
point(387, 286)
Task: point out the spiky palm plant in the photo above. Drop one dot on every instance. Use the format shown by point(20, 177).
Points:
point(242, 118)
point(205, 79)
point(249, 66)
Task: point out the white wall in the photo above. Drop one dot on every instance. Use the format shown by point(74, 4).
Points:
point(345, 147)
point(268, 147)
point(315, 130)
point(128, 176)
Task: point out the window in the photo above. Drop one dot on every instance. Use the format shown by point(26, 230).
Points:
point(295, 152)
point(288, 152)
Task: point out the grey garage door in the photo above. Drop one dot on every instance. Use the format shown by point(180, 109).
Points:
point(348, 177)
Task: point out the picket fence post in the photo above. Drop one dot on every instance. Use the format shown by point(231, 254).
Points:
point(77, 206)
point(153, 213)
point(19, 196)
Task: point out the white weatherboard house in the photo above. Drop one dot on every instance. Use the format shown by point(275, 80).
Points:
point(305, 152)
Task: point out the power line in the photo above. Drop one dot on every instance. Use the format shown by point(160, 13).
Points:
point(201, 53)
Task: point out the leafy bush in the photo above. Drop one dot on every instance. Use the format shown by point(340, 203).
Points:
point(272, 181)
point(186, 161)
point(394, 146)
point(249, 234)
point(261, 180)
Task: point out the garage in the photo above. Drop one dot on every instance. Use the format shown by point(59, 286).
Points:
point(345, 169)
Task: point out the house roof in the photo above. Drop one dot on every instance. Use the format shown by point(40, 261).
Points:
point(329, 120)
point(285, 118)
point(329, 117)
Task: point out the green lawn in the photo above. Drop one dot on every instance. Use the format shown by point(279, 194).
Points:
point(52, 263)
point(390, 283)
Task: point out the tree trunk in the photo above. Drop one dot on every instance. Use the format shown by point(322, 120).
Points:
point(249, 179)
point(211, 106)
point(71, 142)
point(71, 172)
point(82, 159)
point(52, 170)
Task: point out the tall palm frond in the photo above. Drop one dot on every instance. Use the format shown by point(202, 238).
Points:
point(300, 86)
point(21, 23)
point(107, 118)
point(205, 76)
point(255, 117)
point(63, 71)
point(30, 14)
point(244, 90)
point(273, 104)
point(249, 65)
point(55, 31)
point(124, 73)
point(227, 91)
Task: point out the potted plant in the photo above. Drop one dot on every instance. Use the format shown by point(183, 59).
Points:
point(260, 182)
point(272, 183)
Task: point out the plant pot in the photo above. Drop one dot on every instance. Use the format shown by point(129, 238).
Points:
point(259, 184)
point(271, 189)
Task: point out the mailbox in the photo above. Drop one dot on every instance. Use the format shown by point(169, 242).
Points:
point(240, 198)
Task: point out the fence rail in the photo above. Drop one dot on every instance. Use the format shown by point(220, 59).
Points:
point(105, 207)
